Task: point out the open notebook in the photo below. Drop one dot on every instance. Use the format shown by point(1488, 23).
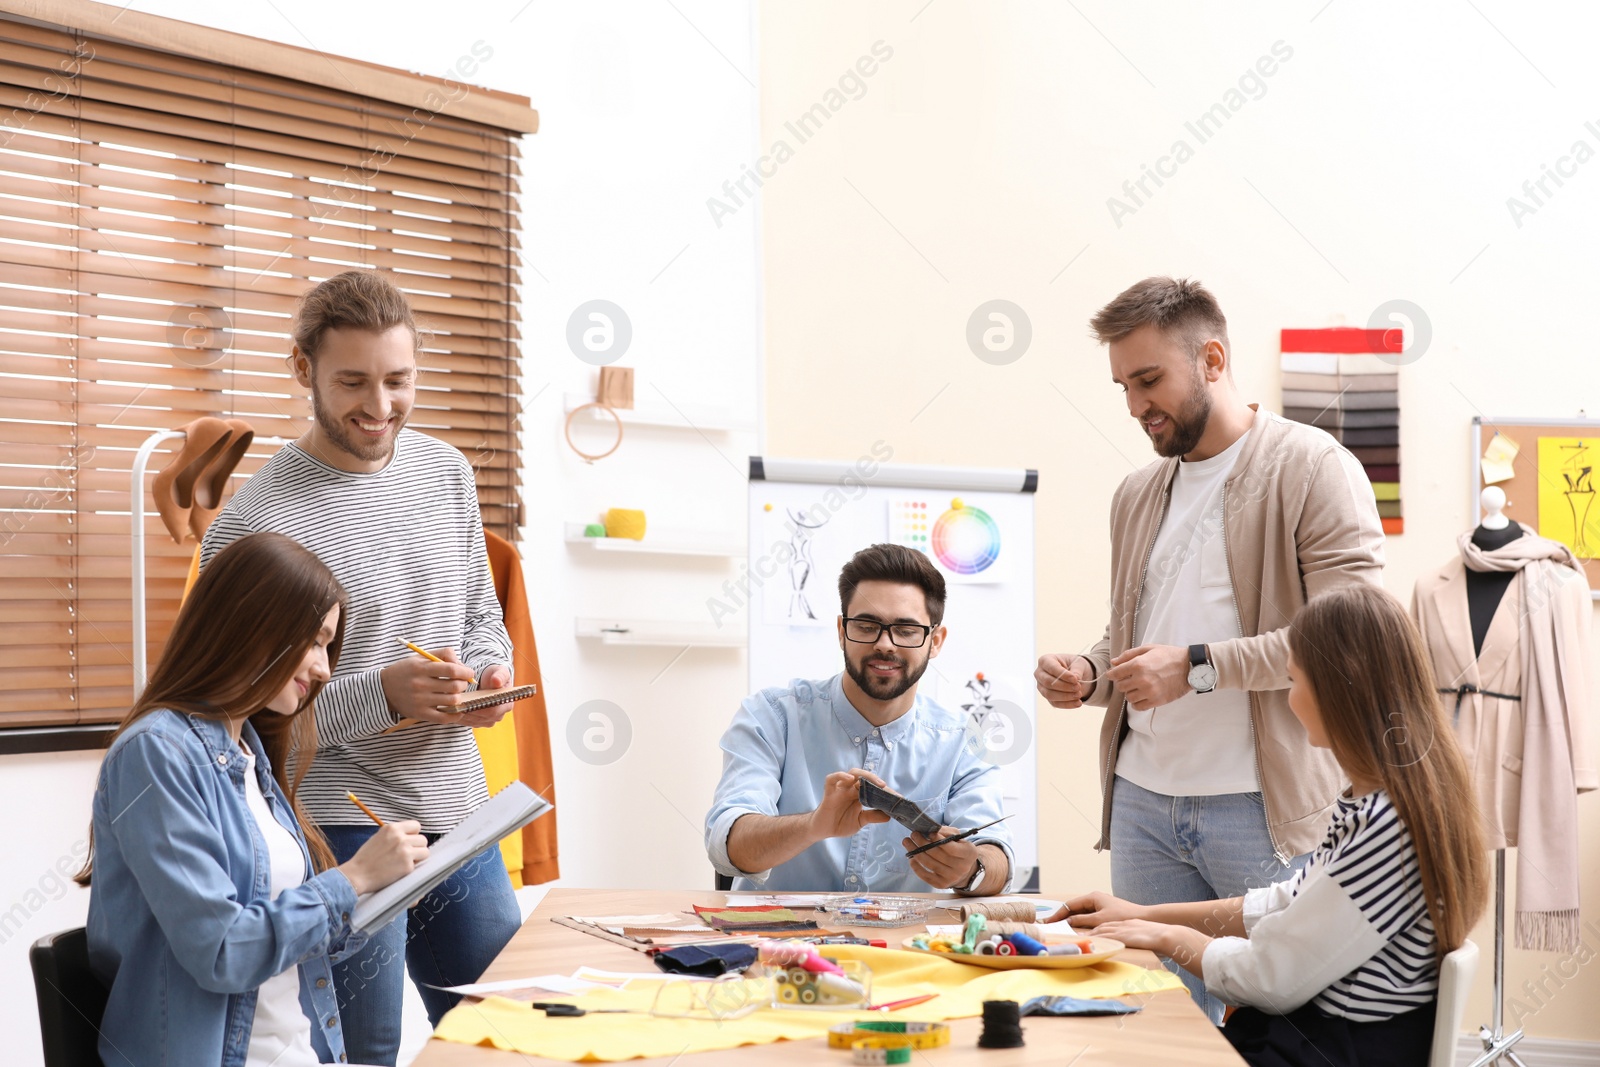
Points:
point(510, 809)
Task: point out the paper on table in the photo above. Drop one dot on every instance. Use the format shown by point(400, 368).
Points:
point(554, 983)
point(512, 808)
point(778, 900)
point(1498, 459)
point(618, 979)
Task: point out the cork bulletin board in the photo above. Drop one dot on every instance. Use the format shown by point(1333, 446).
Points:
point(1552, 487)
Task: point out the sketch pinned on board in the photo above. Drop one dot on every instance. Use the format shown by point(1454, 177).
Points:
point(1566, 502)
point(997, 729)
point(979, 704)
point(798, 532)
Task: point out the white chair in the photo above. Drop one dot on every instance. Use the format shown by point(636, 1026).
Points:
point(1455, 981)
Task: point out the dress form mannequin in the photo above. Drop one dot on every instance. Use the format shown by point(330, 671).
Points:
point(1486, 588)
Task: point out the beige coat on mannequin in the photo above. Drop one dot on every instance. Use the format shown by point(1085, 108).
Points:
point(1528, 758)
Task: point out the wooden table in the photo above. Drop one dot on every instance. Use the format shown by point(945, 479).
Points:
point(1170, 1029)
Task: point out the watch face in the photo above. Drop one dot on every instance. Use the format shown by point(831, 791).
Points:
point(977, 879)
point(1203, 677)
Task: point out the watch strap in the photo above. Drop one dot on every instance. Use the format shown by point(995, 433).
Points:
point(1198, 654)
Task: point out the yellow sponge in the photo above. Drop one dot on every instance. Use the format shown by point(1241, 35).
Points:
point(625, 522)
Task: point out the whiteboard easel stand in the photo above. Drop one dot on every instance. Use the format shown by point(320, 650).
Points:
point(141, 460)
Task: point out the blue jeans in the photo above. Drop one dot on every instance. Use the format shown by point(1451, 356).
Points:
point(449, 938)
point(1171, 850)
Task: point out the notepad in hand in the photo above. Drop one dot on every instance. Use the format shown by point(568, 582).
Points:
point(510, 809)
point(488, 698)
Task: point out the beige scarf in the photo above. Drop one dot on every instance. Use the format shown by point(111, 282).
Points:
point(1554, 633)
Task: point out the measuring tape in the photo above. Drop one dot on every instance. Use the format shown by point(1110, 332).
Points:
point(889, 1048)
point(903, 1035)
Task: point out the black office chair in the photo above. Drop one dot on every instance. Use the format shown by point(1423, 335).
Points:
point(71, 999)
point(724, 882)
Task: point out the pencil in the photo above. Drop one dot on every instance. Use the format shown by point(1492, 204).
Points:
point(424, 653)
point(370, 813)
point(895, 1005)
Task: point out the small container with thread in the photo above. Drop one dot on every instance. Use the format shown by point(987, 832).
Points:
point(807, 980)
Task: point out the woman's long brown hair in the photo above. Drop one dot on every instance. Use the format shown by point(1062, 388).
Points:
point(238, 640)
point(1365, 663)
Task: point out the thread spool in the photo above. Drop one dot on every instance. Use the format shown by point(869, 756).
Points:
point(1005, 948)
point(783, 953)
point(1064, 950)
point(839, 989)
point(1005, 929)
point(1027, 946)
point(1002, 1025)
point(1016, 911)
point(976, 924)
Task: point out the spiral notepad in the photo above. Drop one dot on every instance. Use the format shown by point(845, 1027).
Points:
point(488, 698)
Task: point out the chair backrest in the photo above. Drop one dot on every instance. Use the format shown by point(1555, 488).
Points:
point(71, 999)
point(724, 882)
point(1456, 971)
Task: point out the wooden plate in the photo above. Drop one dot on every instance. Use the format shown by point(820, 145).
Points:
point(1104, 949)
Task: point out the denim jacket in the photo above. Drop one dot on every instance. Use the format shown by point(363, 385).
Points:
point(182, 929)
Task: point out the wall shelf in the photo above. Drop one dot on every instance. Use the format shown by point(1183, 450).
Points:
point(673, 634)
point(659, 543)
point(667, 416)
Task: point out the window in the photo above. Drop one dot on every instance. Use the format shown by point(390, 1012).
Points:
point(159, 215)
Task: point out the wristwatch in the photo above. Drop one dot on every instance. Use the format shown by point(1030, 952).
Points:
point(1202, 675)
point(977, 879)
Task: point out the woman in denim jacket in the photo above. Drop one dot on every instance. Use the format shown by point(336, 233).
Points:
point(215, 908)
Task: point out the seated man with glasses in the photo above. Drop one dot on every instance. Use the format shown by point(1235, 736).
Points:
point(788, 814)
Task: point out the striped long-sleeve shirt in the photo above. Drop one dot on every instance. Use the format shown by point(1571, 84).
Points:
point(407, 544)
point(1350, 931)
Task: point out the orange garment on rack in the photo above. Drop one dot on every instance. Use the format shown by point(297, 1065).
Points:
point(534, 765)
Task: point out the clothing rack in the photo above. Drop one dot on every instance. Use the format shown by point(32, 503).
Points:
point(1497, 1044)
point(141, 461)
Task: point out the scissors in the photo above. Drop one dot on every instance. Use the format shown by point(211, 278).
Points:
point(920, 849)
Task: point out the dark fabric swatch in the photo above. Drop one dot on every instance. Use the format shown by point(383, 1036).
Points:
point(1359, 419)
point(1388, 436)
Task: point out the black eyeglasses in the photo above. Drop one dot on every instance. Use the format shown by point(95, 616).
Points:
point(864, 631)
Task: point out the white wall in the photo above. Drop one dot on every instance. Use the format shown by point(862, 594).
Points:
point(1374, 164)
point(646, 109)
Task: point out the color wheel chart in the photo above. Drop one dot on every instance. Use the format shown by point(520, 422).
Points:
point(965, 539)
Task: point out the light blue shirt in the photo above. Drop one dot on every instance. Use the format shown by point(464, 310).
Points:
point(781, 748)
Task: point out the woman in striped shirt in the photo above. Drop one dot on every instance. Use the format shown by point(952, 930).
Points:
point(1339, 964)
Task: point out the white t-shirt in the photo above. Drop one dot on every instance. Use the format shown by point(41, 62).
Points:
point(1200, 744)
point(281, 1034)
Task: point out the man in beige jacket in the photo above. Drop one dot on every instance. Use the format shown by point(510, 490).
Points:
point(1209, 784)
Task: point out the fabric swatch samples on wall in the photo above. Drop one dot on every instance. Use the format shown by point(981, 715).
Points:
point(1346, 380)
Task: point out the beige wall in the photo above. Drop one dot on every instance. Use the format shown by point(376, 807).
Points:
point(1375, 165)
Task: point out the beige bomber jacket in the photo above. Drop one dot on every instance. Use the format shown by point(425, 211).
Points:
point(1299, 518)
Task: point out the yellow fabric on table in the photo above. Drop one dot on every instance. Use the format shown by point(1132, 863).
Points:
point(896, 975)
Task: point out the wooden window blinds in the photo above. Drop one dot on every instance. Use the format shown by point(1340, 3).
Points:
point(159, 215)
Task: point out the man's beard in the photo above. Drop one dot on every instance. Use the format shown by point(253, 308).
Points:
point(1185, 428)
point(884, 688)
point(345, 440)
